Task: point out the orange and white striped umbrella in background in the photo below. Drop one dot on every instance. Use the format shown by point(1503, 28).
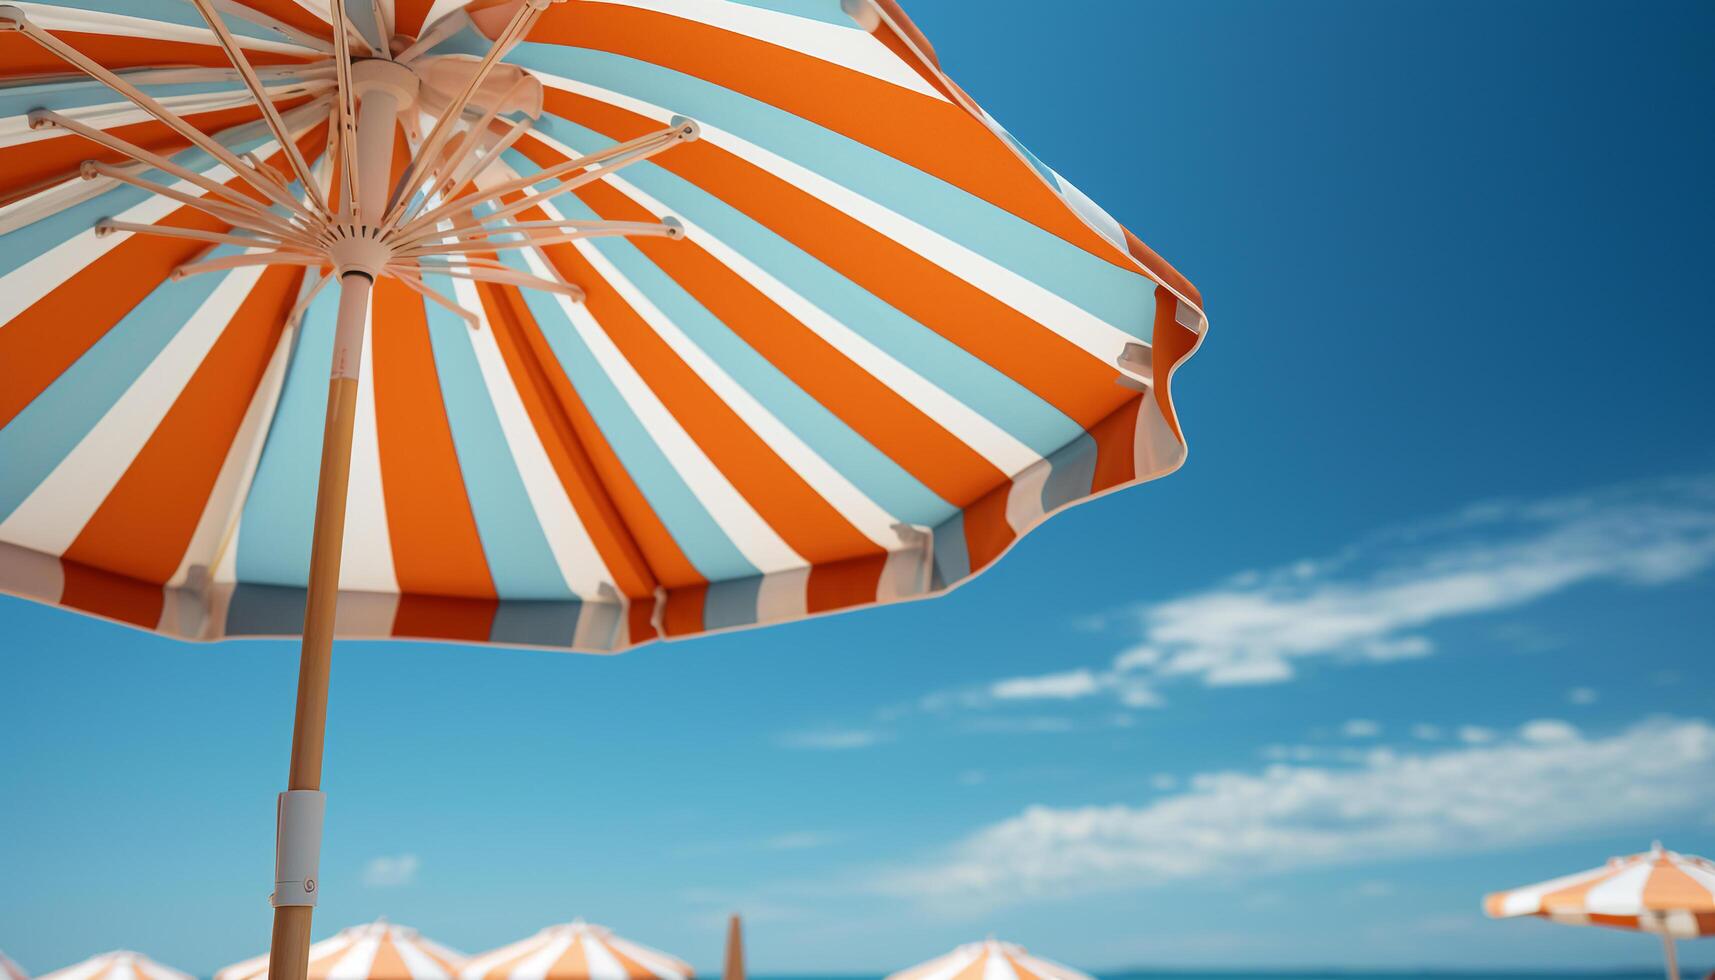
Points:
point(121, 964)
point(575, 951)
point(989, 960)
point(379, 950)
point(1659, 891)
point(10, 970)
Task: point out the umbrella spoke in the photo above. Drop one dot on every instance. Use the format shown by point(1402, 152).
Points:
point(276, 257)
point(252, 220)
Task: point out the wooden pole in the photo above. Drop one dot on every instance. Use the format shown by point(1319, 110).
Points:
point(734, 950)
point(289, 952)
point(1672, 955)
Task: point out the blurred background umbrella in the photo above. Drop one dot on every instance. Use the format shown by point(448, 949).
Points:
point(121, 964)
point(10, 970)
point(379, 950)
point(576, 950)
point(733, 967)
point(990, 959)
point(1659, 891)
point(654, 318)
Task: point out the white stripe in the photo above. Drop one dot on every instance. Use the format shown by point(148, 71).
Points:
point(1024, 497)
point(54, 17)
point(746, 529)
point(852, 503)
point(998, 967)
point(51, 517)
point(356, 962)
point(419, 963)
point(848, 47)
point(1094, 335)
point(657, 963)
point(985, 438)
point(603, 965)
point(537, 966)
point(575, 553)
point(367, 565)
point(1623, 894)
point(1528, 900)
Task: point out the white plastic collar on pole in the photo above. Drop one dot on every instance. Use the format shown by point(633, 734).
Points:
point(298, 847)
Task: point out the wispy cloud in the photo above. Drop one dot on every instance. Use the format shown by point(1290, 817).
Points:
point(391, 871)
point(834, 740)
point(1542, 783)
point(1377, 600)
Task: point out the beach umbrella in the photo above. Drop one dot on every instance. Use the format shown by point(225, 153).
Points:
point(10, 970)
point(121, 964)
point(1659, 891)
point(576, 950)
point(990, 959)
point(379, 950)
point(653, 318)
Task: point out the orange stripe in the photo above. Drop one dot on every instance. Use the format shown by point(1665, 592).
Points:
point(1050, 366)
point(1171, 342)
point(1572, 898)
point(841, 585)
point(936, 137)
point(888, 421)
point(1668, 888)
point(662, 553)
point(1116, 447)
point(445, 618)
point(802, 517)
point(573, 964)
point(146, 522)
point(987, 532)
point(508, 315)
point(105, 594)
point(409, 16)
point(22, 57)
point(682, 614)
point(388, 964)
point(42, 341)
point(633, 969)
point(29, 168)
point(973, 970)
point(436, 547)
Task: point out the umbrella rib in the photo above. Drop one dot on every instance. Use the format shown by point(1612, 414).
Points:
point(107, 226)
point(224, 212)
point(631, 151)
point(399, 272)
point(276, 257)
point(515, 29)
point(499, 273)
point(347, 107)
point(472, 167)
point(473, 136)
point(45, 118)
point(303, 305)
point(241, 62)
point(76, 59)
point(625, 229)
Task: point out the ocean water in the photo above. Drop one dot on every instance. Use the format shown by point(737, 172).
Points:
point(1687, 973)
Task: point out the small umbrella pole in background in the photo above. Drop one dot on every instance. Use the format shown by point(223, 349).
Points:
point(734, 969)
point(1672, 957)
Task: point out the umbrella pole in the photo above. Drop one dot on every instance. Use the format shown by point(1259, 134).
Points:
point(1672, 957)
point(295, 885)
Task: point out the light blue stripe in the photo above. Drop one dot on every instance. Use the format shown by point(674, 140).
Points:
point(280, 510)
point(40, 437)
point(519, 558)
point(731, 603)
point(952, 555)
point(870, 470)
point(1119, 296)
point(536, 624)
point(826, 11)
point(945, 364)
point(176, 12)
point(705, 545)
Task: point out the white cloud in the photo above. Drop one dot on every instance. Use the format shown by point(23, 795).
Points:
point(391, 871)
point(1582, 695)
point(1476, 734)
point(1426, 733)
point(1361, 728)
point(1064, 686)
point(1545, 731)
point(834, 740)
point(802, 840)
point(1390, 806)
point(1374, 601)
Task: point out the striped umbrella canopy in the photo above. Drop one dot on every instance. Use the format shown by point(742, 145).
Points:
point(576, 950)
point(10, 970)
point(121, 964)
point(652, 318)
point(989, 960)
point(882, 341)
point(1657, 891)
point(379, 950)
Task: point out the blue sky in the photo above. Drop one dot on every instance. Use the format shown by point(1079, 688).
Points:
point(1426, 614)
